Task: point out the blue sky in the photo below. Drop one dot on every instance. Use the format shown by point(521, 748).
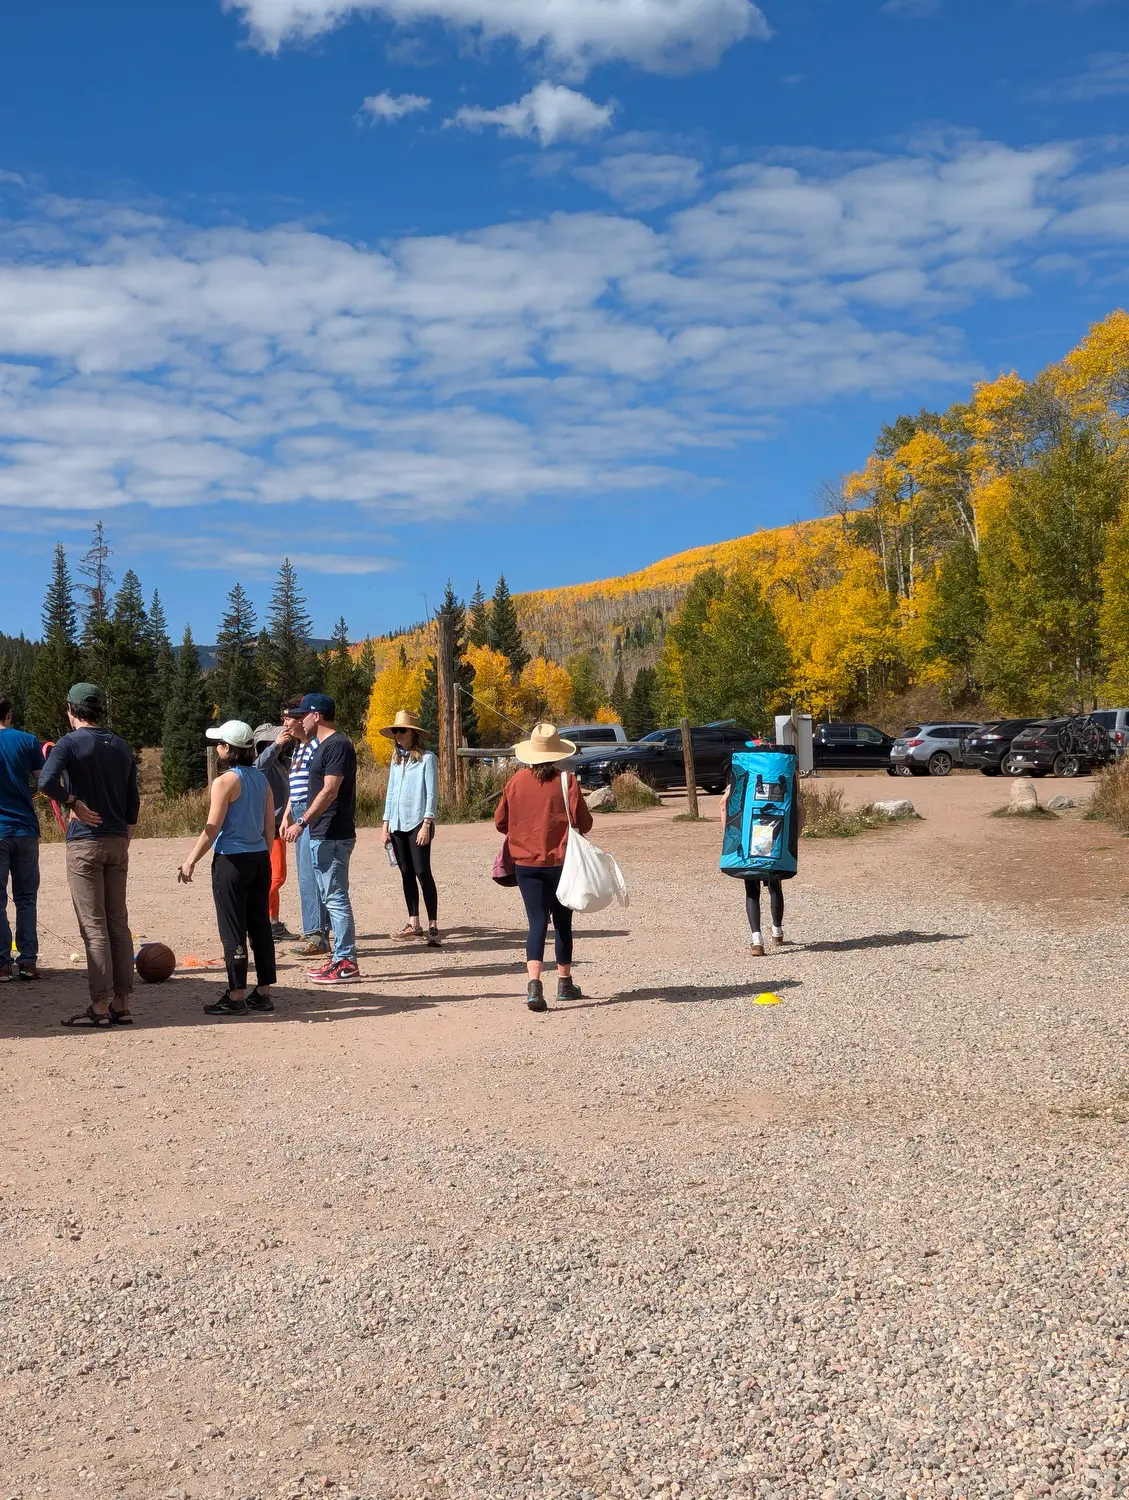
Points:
point(410, 289)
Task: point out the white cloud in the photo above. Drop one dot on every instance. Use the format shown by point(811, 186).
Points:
point(147, 361)
point(660, 35)
point(644, 179)
point(391, 107)
point(548, 113)
point(1106, 75)
point(915, 9)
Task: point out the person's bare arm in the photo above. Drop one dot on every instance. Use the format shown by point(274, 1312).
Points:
point(268, 820)
point(223, 789)
point(724, 802)
point(324, 800)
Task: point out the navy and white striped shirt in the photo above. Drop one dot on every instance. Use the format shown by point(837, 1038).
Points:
point(300, 774)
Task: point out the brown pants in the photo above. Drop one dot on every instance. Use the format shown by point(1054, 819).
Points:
point(96, 873)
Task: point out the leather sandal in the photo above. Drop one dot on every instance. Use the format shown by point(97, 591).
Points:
point(88, 1020)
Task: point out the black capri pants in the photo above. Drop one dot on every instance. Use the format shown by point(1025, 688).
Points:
point(415, 871)
point(753, 902)
point(241, 891)
point(538, 887)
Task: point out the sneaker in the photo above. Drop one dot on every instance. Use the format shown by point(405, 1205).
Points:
point(433, 937)
point(757, 950)
point(778, 941)
point(279, 930)
point(226, 1006)
point(341, 972)
point(262, 1003)
point(535, 996)
point(316, 970)
point(27, 971)
point(567, 990)
point(311, 947)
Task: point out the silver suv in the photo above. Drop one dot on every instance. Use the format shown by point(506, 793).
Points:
point(929, 749)
point(1115, 721)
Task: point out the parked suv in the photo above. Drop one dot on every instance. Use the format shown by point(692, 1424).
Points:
point(989, 748)
point(657, 758)
point(1115, 721)
point(591, 739)
point(1039, 751)
point(930, 749)
point(850, 747)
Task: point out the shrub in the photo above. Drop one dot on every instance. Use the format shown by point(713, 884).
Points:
point(1110, 801)
point(631, 794)
point(825, 817)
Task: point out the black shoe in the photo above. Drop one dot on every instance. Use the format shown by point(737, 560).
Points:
point(279, 931)
point(262, 1003)
point(535, 996)
point(566, 990)
point(226, 1006)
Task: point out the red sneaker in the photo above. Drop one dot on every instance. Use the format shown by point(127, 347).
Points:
point(341, 972)
point(322, 968)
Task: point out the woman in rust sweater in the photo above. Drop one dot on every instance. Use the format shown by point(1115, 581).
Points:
point(532, 816)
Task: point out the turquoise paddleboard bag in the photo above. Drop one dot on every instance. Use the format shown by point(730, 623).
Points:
point(760, 815)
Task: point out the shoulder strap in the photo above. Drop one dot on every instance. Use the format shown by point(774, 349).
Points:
point(564, 789)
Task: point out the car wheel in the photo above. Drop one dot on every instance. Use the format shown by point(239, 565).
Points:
point(715, 788)
point(989, 770)
point(940, 763)
point(1010, 766)
point(1067, 766)
point(891, 770)
point(903, 770)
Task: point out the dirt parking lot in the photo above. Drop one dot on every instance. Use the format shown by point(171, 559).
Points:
point(410, 1240)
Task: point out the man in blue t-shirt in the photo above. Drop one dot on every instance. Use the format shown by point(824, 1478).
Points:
point(20, 758)
point(330, 816)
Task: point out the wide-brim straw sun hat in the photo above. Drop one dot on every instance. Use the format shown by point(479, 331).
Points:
point(404, 720)
point(543, 745)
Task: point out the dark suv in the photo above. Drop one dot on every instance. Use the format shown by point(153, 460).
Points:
point(849, 747)
point(1039, 750)
point(989, 749)
point(657, 758)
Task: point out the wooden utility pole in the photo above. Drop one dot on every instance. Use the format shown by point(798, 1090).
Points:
point(688, 762)
point(445, 685)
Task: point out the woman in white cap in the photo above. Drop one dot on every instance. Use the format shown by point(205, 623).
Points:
point(409, 821)
point(533, 817)
point(240, 829)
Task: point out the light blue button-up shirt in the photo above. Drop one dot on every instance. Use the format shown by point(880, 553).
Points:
point(413, 792)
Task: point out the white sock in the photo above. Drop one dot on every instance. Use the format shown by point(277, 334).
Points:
point(758, 941)
point(778, 932)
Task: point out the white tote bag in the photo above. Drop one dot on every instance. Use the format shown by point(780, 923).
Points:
point(590, 879)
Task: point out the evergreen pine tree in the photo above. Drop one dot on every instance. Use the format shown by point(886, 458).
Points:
point(164, 657)
point(236, 685)
point(57, 664)
point(478, 621)
point(291, 664)
point(344, 683)
point(587, 685)
point(619, 696)
point(403, 658)
point(17, 664)
point(184, 763)
point(95, 567)
point(505, 633)
point(464, 676)
point(642, 706)
point(128, 677)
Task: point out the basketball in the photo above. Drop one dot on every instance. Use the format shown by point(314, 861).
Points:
point(155, 962)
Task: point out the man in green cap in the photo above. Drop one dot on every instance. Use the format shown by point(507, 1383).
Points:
point(92, 774)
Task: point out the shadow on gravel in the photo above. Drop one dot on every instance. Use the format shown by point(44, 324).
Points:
point(683, 994)
point(880, 940)
point(482, 939)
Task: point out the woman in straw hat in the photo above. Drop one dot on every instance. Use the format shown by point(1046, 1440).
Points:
point(409, 821)
point(532, 815)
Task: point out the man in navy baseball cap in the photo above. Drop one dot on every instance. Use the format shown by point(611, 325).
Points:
point(330, 816)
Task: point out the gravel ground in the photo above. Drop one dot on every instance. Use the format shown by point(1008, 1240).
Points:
point(412, 1241)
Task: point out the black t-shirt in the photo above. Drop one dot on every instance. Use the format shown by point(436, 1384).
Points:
point(335, 757)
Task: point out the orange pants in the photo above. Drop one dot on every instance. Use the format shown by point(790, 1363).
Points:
point(277, 874)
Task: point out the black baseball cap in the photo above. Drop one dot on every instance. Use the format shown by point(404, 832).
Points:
point(318, 703)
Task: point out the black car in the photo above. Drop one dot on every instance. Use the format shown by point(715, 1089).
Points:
point(1039, 751)
point(851, 747)
point(657, 758)
point(989, 749)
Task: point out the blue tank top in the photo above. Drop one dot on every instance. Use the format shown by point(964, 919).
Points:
point(242, 830)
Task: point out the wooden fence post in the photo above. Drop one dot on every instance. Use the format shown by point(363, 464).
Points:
point(445, 692)
point(213, 764)
point(688, 762)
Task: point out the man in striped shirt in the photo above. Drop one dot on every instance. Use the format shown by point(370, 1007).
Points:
point(315, 918)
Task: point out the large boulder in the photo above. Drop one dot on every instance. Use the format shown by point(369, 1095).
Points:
point(601, 800)
point(897, 807)
point(1024, 797)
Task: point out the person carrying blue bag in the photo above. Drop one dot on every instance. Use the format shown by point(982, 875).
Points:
point(762, 818)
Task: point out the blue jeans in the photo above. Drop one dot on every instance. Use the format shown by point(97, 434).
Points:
point(331, 871)
point(315, 918)
point(19, 857)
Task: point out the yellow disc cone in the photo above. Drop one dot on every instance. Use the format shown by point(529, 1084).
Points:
point(768, 998)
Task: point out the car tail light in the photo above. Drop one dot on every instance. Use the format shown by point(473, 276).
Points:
point(913, 744)
point(1119, 737)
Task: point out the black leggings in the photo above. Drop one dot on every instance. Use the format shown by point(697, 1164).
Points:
point(415, 865)
point(538, 887)
point(753, 902)
point(241, 890)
